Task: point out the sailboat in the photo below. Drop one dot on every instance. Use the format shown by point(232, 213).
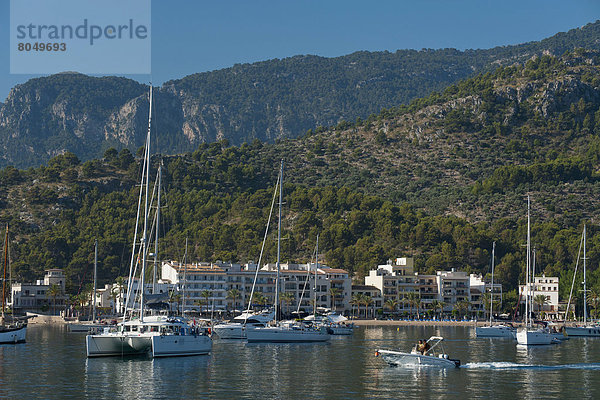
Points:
point(335, 323)
point(288, 332)
point(159, 335)
point(589, 330)
point(528, 335)
point(92, 325)
point(501, 330)
point(238, 326)
point(13, 331)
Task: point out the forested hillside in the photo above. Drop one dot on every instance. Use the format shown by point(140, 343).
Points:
point(439, 179)
point(267, 100)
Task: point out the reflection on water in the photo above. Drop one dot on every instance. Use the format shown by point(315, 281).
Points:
point(52, 364)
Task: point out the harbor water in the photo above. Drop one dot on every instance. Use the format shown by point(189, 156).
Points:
point(52, 365)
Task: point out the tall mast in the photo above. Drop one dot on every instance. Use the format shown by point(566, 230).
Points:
point(584, 282)
point(492, 287)
point(532, 282)
point(4, 274)
point(95, 277)
point(278, 240)
point(145, 234)
point(527, 271)
point(157, 228)
point(185, 278)
point(316, 269)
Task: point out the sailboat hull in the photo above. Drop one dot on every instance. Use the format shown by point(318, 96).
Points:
point(340, 330)
point(175, 345)
point(278, 334)
point(117, 345)
point(496, 332)
point(529, 337)
point(230, 331)
point(583, 331)
point(13, 335)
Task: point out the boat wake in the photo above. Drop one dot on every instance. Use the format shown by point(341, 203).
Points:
point(514, 366)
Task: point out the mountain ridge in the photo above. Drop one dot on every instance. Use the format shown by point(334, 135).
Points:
point(267, 100)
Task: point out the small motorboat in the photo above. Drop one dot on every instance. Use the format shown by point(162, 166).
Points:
point(430, 355)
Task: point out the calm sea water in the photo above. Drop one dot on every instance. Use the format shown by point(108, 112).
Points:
point(52, 365)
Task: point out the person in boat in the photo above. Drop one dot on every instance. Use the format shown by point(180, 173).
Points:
point(419, 346)
point(426, 346)
point(423, 346)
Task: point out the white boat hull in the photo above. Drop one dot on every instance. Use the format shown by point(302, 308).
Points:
point(81, 327)
point(14, 335)
point(117, 345)
point(414, 360)
point(285, 335)
point(583, 331)
point(230, 331)
point(341, 330)
point(175, 345)
point(529, 337)
point(496, 332)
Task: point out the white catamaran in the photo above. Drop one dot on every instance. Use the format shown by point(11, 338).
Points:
point(159, 335)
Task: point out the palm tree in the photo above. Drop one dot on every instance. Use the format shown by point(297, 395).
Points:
point(259, 299)
point(176, 297)
point(205, 294)
point(540, 300)
point(414, 300)
point(462, 307)
point(361, 301)
point(334, 292)
point(355, 301)
point(114, 295)
point(486, 304)
point(82, 299)
point(367, 301)
point(234, 294)
point(391, 304)
point(54, 291)
point(286, 298)
point(437, 305)
point(594, 299)
point(198, 302)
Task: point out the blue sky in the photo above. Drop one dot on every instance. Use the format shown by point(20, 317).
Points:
point(196, 36)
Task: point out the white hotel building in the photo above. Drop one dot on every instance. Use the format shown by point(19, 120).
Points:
point(548, 287)
point(396, 280)
point(218, 278)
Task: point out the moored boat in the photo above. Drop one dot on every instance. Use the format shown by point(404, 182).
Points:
point(160, 335)
point(13, 330)
point(496, 331)
point(500, 330)
point(583, 331)
point(14, 333)
point(287, 333)
point(235, 329)
point(529, 335)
